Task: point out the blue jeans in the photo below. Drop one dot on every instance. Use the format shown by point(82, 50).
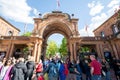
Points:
point(107, 77)
point(96, 77)
point(78, 77)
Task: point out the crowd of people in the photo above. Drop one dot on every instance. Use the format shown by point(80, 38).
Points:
point(57, 69)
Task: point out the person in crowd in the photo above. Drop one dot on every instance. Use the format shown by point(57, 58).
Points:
point(39, 70)
point(116, 68)
point(6, 70)
point(46, 63)
point(95, 68)
point(13, 60)
point(3, 62)
point(52, 70)
point(30, 68)
point(19, 70)
point(87, 69)
point(72, 75)
point(62, 75)
point(106, 69)
point(78, 71)
point(66, 71)
point(0, 63)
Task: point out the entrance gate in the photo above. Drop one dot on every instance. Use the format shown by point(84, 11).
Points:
point(55, 22)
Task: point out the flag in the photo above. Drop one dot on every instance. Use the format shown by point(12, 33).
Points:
point(25, 27)
point(58, 3)
point(86, 27)
point(115, 10)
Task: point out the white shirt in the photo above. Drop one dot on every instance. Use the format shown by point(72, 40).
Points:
point(3, 72)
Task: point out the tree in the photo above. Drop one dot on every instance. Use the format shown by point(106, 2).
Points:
point(63, 47)
point(52, 48)
point(27, 34)
point(84, 49)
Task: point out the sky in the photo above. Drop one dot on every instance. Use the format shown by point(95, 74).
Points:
point(89, 12)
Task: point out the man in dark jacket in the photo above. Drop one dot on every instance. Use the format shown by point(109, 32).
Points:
point(30, 68)
point(19, 70)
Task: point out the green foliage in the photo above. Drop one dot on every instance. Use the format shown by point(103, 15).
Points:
point(84, 49)
point(63, 47)
point(27, 34)
point(25, 50)
point(52, 48)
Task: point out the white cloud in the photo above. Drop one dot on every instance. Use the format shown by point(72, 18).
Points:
point(83, 32)
point(113, 3)
point(95, 22)
point(95, 8)
point(100, 18)
point(36, 12)
point(17, 10)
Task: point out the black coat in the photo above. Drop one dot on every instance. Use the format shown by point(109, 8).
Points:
point(19, 70)
point(30, 68)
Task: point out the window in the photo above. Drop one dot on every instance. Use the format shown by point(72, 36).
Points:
point(102, 34)
point(10, 33)
point(115, 29)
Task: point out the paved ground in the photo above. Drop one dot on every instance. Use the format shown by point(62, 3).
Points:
point(112, 76)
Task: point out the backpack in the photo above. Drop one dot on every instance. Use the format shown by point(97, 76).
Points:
point(18, 73)
point(53, 70)
point(39, 68)
point(66, 71)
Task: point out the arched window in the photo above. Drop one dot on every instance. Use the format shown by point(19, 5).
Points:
point(115, 29)
point(10, 33)
point(102, 34)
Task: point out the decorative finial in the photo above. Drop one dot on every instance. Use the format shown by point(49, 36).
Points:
point(40, 15)
point(72, 15)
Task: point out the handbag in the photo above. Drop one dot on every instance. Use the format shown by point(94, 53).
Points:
point(103, 73)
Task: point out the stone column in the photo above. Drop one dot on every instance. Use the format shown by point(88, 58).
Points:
point(71, 52)
point(114, 50)
point(9, 47)
point(74, 47)
point(35, 50)
point(11, 50)
point(39, 51)
point(99, 49)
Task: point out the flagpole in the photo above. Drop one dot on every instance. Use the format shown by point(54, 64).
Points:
point(86, 29)
point(57, 5)
point(25, 27)
point(87, 33)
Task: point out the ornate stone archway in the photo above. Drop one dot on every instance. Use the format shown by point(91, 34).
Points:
point(56, 22)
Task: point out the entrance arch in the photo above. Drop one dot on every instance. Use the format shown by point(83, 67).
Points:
point(56, 22)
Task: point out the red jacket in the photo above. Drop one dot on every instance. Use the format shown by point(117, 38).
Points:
point(39, 68)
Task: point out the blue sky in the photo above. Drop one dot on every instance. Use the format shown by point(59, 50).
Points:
point(89, 12)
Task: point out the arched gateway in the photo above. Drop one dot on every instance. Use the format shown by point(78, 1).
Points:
point(56, 22)
point(63, 23)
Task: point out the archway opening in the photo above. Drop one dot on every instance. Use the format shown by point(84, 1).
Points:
point(57, 46)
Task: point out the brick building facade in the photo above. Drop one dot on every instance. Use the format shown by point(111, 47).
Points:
point(7, 29)
point(105, 42)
